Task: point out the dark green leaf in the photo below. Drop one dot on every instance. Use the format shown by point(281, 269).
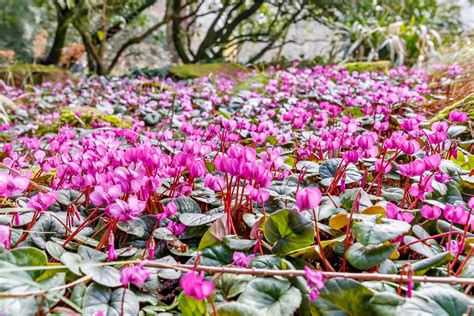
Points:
point(348, 295)
point(366, 257)
point(368, 230)
point(111, 302)
point(422, 266)
point(271, 296)
point(288, 230)
point(329, 168)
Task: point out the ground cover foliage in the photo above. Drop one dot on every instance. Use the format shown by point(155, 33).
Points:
point(119, 195)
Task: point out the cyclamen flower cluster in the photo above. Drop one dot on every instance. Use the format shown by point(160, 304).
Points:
point(194, 147)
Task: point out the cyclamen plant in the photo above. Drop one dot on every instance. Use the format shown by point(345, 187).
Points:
point(279, 192)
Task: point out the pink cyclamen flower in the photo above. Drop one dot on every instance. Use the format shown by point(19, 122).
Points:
point(125, 211)
point(169, 210)
point(315, 282)
point(430, 212)
point(432, 162)
point(10, 185)
point(176, 228)
point(258, 195)
point(194, 285)
point(5, 236)
point(215, 183)
point(101, 196)
point(454, 247)
point(241, 260)
point(136, 275)
point(393, 212)
point(41, 201)
point(458, 116)
point(456, 214)
point(308, 198)
point(470, 203)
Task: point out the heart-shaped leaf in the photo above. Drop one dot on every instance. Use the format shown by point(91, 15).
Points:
point(106, 276)
point(329, 168)
point(288, 230)
point(271, 296)
point(366, 257)
point(370, 230)
point(110, 302)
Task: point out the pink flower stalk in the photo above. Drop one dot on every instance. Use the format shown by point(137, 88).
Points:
point(393, 212)
point(194, 285)
point(458, 116)
point(125, 211)
point(315, 282)
point(430, 212)
point(5, 236)
point(136, 275)
point(111, 254)
point(10, 185)
point(169, 210)
point(42, 201)
point(241, 260)
point(308, 198)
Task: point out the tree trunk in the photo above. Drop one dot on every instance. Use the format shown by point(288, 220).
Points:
point(59, 40)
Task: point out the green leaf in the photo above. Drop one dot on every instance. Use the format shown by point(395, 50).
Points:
point(468, 270)
point(271, 296)
point(191, 307)
point(195, 219)
point(348, 295)
point(366, 257)
point(234, 243)
point(392, 194)
point(72, 261)
point(368, 230)
point(232, 285)
point(29, 256)
point(266, 262)
point(207, 240)
point(422, 266)
point(216, 255)
point(349, 196)
point(168, 274)
point(288, 230)
point(329, 167)
point(236, 309)
point(385, 303)
point(54, 249)
point(106, 276)
point(185, 204)
point(424, 249)
point(112, 302)
point(135, 228)
point(435, 299)
point(90, 254)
